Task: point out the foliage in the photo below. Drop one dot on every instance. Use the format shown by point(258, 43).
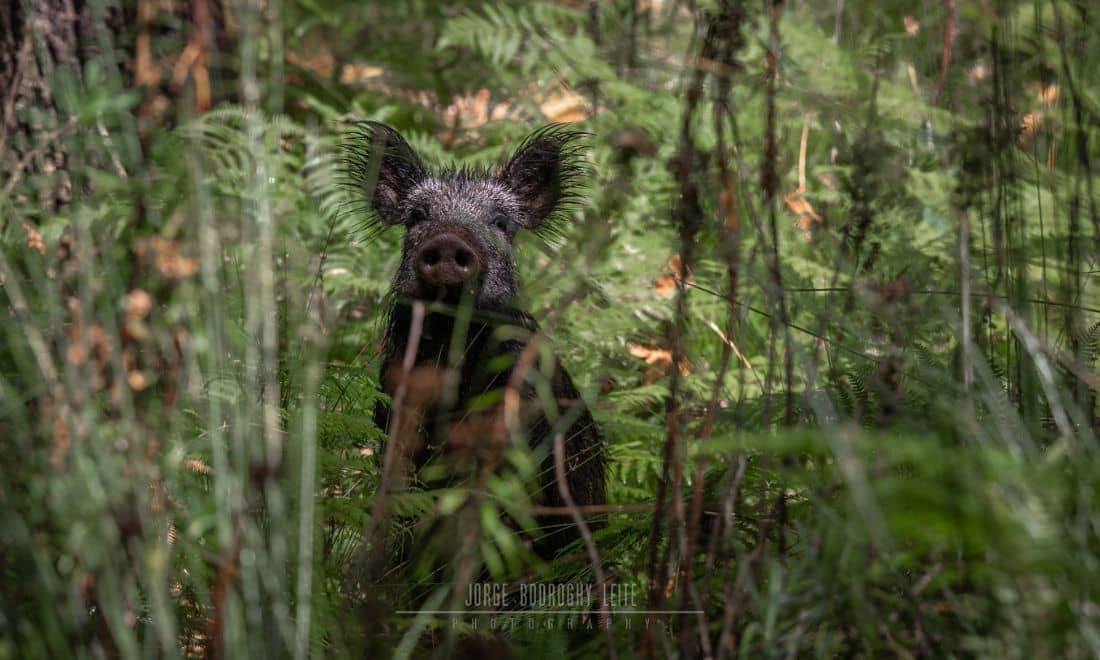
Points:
point(856, 377)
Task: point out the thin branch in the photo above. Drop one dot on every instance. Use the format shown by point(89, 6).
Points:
point(390, 458)
point(589, 543)
point(948, 47)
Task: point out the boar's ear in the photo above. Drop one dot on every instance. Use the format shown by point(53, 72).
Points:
point(382, 168)
point(543, 175)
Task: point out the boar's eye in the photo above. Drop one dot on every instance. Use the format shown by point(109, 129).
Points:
point(500, 221)
point(416, 216)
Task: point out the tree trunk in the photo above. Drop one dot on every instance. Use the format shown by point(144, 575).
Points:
point(43, 42)
point(37, 38)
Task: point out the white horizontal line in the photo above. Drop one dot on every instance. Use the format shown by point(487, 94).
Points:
point(511, 612)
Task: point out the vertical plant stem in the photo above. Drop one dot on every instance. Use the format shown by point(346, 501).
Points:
point(688, 218)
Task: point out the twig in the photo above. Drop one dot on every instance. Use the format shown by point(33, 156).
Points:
point(593, 509)
point(729, 232)
point(722, 526)
point(948, 46)
point(688, 216)
point(770, 183)
point(389, 459)
point(793, 326)
point(1034, 342)
point(948, 292)
point(964, 288)
point(226, 576)
point(39, 348)
point(586, 535)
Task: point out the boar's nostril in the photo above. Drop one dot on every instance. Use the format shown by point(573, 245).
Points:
point(446, 261)
point(462, 257)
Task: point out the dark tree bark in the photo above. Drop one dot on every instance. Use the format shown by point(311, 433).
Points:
point(44, 40)
point(36, 38)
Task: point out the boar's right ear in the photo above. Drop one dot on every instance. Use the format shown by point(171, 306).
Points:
point(382, 168)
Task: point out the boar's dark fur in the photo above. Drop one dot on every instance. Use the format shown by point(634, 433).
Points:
point(458, 250)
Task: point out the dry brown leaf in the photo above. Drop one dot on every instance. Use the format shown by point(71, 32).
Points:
point(807, 217)
point(85, 339)
point(564, 106)
point(167, 258)
point(652, 6)
point(1049, 94)
point(665, 284)
point(193, 61)
point(796, 201)
point(197, 466)
point(34, 239)
point(677, 266)
point(154, 109)
point(138, 304)
point(468, 110)
point(1029, 126)
point(321, 62)
point(977, 73)
point(658, 357)
point(146, 73)
point(77, 354)
point(137, 380)
point(351, 74)
point(61, 442)
point(476, 109)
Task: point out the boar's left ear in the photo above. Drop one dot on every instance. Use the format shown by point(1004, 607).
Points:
point(381, 169)
point(543, 175)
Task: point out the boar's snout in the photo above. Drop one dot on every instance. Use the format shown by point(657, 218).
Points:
point(446, 261)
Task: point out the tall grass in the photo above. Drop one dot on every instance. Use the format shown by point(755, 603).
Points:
point(830, 294)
